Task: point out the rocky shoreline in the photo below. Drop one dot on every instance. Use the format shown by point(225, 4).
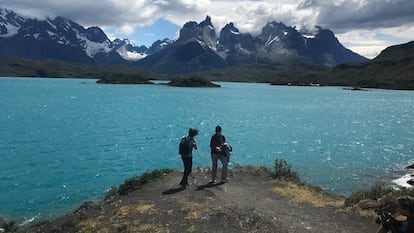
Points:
point(253, 201)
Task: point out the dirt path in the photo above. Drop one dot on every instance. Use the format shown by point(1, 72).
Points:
point(247, 203)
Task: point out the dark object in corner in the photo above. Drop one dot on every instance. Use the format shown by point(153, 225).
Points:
point(192, 81)
point(9, 227)
point(410, 166)
point(388, 221)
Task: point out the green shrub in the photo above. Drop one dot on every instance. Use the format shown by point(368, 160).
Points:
point(283, 171)
point(134, 183)
point(375, 192)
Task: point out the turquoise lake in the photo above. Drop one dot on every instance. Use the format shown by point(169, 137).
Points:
point(64, 141)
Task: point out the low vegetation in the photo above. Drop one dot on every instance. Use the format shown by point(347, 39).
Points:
point(367, 202)
point(290, 185)
point(135, 183)
point(21, 67)
point(124, 79)
point(392, 69)
point(280, 74)
point(283, 171)
point(376, 198)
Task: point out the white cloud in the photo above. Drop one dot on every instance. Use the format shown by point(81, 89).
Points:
point(370, 43)
point(126, 29)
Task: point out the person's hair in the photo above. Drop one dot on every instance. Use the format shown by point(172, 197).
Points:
point(192, 132)
point(406, 203)
point(218, 128)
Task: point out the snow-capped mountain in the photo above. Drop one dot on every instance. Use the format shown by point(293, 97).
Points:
point(194, 50)
point(60, 38)
point(128, 50)
point(197, 48)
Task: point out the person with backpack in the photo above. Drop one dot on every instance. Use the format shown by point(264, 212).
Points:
point(220, 150)
point(186, 146)
point(405, 208)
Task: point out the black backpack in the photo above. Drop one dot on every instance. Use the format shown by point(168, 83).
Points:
point(184, 147)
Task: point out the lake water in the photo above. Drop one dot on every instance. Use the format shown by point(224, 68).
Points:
point(64, 141)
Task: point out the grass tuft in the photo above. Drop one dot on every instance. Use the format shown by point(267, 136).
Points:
point(305, 193)
point(135, 183)
point(283, 171)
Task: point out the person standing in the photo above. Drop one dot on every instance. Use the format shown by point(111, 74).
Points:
point(406, 208)
point(187, 144)
point(216, 143)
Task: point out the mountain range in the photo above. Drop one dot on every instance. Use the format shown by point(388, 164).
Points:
point(198, 47)
point(63, 39)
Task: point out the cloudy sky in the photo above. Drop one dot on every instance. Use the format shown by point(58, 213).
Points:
point(364, 26)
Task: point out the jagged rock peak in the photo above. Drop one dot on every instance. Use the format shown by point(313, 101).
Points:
point(96, 34)
point(275, 24)
point(324, 33)
point(206, 22)
point(230, 28)
point(8, 15)
point(275, 28)
point(203, 32)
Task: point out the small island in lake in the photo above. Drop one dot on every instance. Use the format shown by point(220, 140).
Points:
point(355, 89)
point(192, 81)
point(124, 79)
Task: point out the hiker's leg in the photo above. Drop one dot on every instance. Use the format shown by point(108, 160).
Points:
point(188, 164)
point(225, 161)
point(214, 158)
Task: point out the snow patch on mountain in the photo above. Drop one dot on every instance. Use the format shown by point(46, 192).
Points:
point(51, 24)
point(130, 55)
point(51, 34)
point(270, 40)
point(308, 36)
point(92, 48)
point(234, 32)
point(11, 30)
